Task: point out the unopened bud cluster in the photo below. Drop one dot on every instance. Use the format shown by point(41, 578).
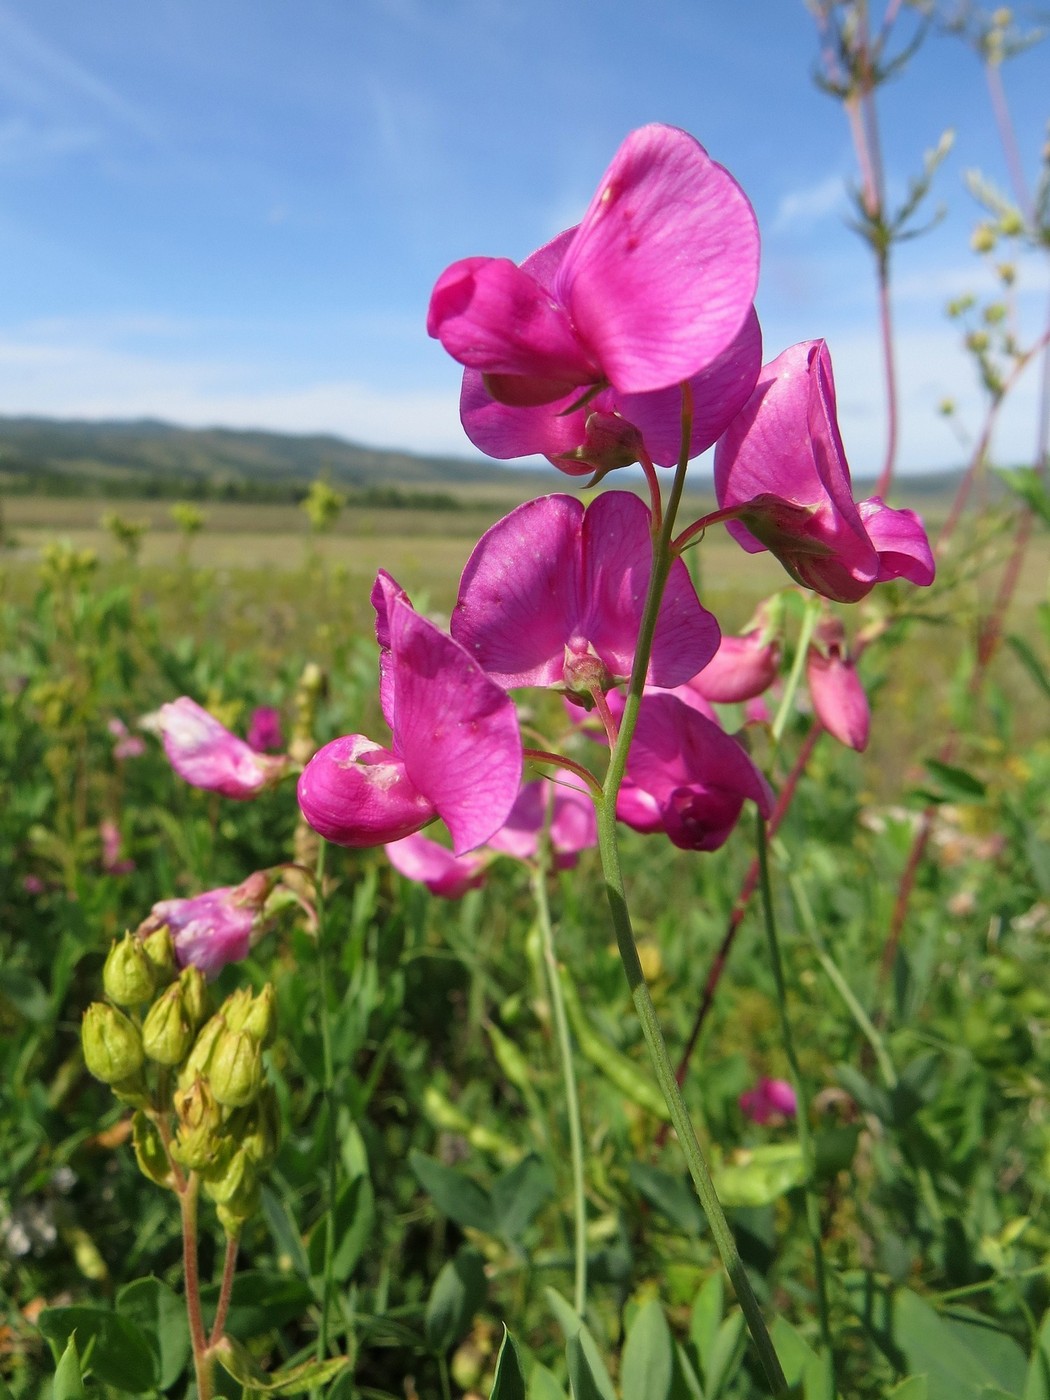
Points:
point(196, 1078)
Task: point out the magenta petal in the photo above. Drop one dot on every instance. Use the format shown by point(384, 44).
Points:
point(742, 668)
point(519, 836)
point(839, 701)
point(900, 541)
point(456, 729)
point(519, 597)
point(663, 268)
point(492, 316)
point(205, 754)
point(356, 793)
point(448, 876)
point(504, 432)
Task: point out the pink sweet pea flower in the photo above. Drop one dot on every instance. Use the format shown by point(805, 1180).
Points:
point(654, 287)
point(573, 824)
point(553, 595)
point(741, 668)
point(214, 928)
point(455, 751)
point(685, 776)
point(769, 1099)
point(264, 729)
point(781, 468)
point(207, 755)
point(839, 701)
point(444, 874)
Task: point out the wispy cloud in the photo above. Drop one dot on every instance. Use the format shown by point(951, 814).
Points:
point(799, 210)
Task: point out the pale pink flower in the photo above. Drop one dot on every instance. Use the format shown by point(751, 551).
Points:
point(216, 927)
point(112, 841)
point(126, 744)
point(839, 701)
point(770, 1099)
point(207, 755)
point(448, 876)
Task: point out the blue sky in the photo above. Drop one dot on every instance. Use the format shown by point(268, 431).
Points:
point(232, 211)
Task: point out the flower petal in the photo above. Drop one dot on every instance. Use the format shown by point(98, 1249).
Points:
point(900, 541)
point(356, 793)
point(204, 752)
point(448, 876)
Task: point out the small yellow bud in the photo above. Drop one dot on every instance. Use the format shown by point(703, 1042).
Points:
point(261, 1017)
point(235, 1071)
point(983, 239)
point(194, 991)
point(159, 947)
point(113, 1048)
point(199, 1058)
point(166, 1032)
point(128, 977)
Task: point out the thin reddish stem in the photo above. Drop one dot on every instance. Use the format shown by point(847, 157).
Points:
point(229, 1268)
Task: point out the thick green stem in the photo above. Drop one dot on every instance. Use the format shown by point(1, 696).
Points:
point(572, 1100)
point(805, 1138)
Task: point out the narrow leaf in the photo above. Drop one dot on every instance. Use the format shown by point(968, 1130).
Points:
point(647, 1365)
point(509, 1380)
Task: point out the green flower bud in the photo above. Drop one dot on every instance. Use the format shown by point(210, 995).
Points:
point(236, 1071)
point(260, 1131)
point(112, 1045)
point(237, 1188)
point(200, 1056)
point(236, 1008)
point(134, 1090)
point(194, 995)
point(200, 1139)
point(149, 1150)
point(159, 947)
point(166, 1032)
point(261, 1018)
point(983, 239)
point(128, 976)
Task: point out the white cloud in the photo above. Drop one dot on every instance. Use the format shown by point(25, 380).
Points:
point(799, 210)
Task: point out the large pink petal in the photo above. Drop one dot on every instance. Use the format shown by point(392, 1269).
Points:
point(356, 793)
point(900, 541)
point(455, 728)
point(519, 597)
point(662, 271)
point(504, 432)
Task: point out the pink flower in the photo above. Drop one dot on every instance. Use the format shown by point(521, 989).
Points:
point(769, 1099)
point(573, 824)
point(207, 755)
point(654, 287)
point(742, 668)
point(455, 752)
point(781, 467)
point(444, 874)
point(838, 697)
point(112, 841)
point(32, 884)
point(553, 595)
point(216, 927)
point(264, 729)
point(685, 776)
point(126, 745)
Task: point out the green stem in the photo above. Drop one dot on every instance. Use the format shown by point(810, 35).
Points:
point(805, 1139)
point(572, 1100)
point(610, 857)
point(794, 680)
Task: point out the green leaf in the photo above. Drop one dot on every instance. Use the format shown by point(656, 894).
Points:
point(238, 1362)
point(761, 1176)
point(1031, 663)
point(509, 1380)
point(706, 1318)
point(285, 1233)
point(1037, 1381)
point(458, 1292)
point(835, 1148)
point(914, 1388)
point(726, 1355)
point(68, 1383)
point(454, 1193)
point(261, 1302)
point(671, 1195)
point(960, 1355)
point(647, 1365)
point(585, 1384)
point(161, 1314)
point(519, 1194)
point(1027, 483)
point(957, 784)
point(26, 994)
point(354, 1217)
point(543, 1385)
point(578, 1338)
point(120, 1354)
point(795, 1353)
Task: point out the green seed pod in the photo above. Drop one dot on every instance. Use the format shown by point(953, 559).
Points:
point(149, 1150)
point(200, 1139)
point(113, 1047)
point(128, 977)
point(236, 1071)
point(167, 1034)
point(237, 1185)
point(199, 1057)
point(194, 995)
point(159, 947)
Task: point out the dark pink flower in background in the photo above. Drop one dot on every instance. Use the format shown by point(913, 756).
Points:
point(207, 755)
point(769, 1099)
point(686, 776)
point(125, 744)
point(553, 595)
point(264, 730)
point(782, 467)
point(455, 750)
point(653, 287)
point(839, 701)
point(216, 927)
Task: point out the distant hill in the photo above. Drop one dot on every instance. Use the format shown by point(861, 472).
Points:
point(147, 458)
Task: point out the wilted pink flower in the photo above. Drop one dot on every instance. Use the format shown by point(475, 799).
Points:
point(126, 744)
point(444, 874)
point(685, 776)
point(652, 288)
point(839, 701)
point(264, 729)
point(216, 927)
point(769, 1099)
point(455, 753)
point(111, 839)
point(781, 467)
point(553, 595)
point(740, 669)
point(207, 755)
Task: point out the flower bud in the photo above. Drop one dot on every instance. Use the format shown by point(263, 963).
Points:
point(134, 1090)
point(166, 1032)
point(237, 1187)
point(200, 1138)
point(260, 1134)
point(128, 977)
point(149, 1150)
point(236, 1071)
point(194, 992)
point(261, 1018)
point(113, 1048)
point(159, 947)
point(199, 1058)
point(834, 687)
point(236, 1007)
